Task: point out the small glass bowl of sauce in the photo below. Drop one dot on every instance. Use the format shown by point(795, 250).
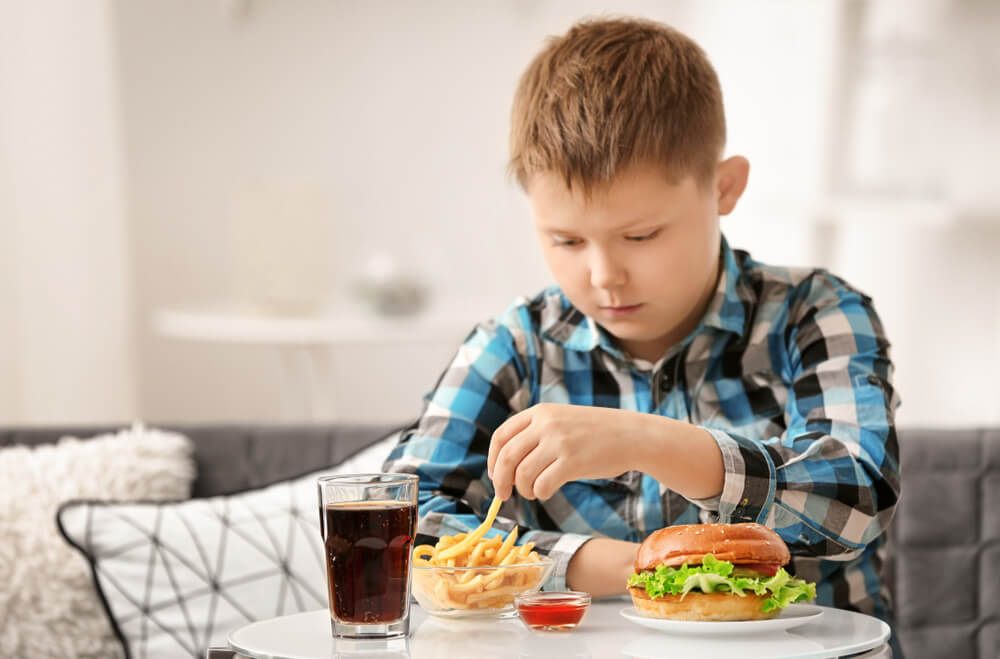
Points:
point(552, 611)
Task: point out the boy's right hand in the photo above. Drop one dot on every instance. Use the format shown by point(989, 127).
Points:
point(540, 449)
point(545, 446)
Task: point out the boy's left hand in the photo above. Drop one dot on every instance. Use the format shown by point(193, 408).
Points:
point(547, 445)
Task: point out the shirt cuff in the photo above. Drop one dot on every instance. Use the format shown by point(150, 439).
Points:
point(711, 505)
point(749, 483)
point(560, 547)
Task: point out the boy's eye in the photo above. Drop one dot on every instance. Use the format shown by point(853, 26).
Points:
point(645, 236)
point(562, 241)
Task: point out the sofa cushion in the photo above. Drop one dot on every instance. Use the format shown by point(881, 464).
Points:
point(233, 457)
point(947, 520)
point(179, 577)
point(48, 606)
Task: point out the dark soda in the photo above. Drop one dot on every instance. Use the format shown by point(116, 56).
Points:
point(368, 546)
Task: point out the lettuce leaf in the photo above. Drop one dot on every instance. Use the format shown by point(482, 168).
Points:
point(714, 576)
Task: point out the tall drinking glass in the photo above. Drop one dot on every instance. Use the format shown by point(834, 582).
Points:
point(368, 522)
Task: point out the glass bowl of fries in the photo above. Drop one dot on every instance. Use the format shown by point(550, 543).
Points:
point(468, 574)
point(482, 590)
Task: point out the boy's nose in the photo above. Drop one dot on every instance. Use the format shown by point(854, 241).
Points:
point(606, 271)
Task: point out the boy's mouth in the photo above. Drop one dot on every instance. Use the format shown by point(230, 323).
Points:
point(621, 310)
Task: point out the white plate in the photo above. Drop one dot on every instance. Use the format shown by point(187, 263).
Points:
point(793, 616)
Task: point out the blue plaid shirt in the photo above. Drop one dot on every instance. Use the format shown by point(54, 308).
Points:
point(789, 371)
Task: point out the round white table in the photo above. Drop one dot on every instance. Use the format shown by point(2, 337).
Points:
point(602, 633)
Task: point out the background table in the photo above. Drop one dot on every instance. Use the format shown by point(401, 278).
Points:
point(603, 633)
point(306, 345)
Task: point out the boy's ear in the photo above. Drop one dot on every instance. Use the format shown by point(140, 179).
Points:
point(731, 180)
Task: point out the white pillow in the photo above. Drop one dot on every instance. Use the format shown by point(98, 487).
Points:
point(179, 577)
point(48, 605)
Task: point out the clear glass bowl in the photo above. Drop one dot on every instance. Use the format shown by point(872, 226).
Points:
point(460, 592)
point(553, 610)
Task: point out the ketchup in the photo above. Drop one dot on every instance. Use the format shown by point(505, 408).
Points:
point(554, 613)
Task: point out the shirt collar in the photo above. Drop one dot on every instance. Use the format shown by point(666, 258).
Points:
point(573, 330)
point(726, 312)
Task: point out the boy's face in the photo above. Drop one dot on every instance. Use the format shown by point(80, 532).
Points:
point(641, 256)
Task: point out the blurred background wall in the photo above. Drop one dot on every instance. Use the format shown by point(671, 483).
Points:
point(192, 193)
point(66, 308)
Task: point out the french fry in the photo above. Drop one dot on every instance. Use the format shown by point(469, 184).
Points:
point(470, 539)
point(506, 590)
point(474, 584)
point(494, 580)
point(423, 552)
point(506, 546)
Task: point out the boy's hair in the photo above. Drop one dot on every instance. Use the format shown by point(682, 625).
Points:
point(612, 93)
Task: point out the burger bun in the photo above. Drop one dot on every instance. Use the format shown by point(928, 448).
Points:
point(745, 543)
point(712, 607)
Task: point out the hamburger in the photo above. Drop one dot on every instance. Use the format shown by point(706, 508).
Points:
point(714, 572)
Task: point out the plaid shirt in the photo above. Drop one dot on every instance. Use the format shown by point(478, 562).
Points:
point(788, 370)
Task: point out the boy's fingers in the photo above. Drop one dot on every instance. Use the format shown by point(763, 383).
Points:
point(549, 481)
point(508, 460)
point(529, 468)
point(507, 430)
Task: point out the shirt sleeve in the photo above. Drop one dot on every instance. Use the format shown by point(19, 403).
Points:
point(488, 380)
point(829, 484)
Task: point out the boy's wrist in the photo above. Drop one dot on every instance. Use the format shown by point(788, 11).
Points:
point(560, 547)
point(651, 434)
point(684, 457)
point(602, 566)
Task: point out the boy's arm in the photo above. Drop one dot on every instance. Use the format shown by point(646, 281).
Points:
point(602, 567)
point(487, 381)
point(829, 484)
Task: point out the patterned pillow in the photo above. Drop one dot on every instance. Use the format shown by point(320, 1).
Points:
point(178, 577)
point(48, 607)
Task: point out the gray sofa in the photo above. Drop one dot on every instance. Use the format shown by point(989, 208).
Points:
point(943, 562)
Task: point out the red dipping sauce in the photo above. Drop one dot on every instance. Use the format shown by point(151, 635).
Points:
point(552, 611)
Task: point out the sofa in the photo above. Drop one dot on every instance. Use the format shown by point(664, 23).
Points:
point(943, 559)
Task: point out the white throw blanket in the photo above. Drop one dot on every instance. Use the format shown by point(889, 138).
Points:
point(48, 604)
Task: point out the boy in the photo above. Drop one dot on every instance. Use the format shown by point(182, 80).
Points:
point(667, 379)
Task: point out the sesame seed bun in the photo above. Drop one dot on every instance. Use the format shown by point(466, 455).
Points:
point(739, 544)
